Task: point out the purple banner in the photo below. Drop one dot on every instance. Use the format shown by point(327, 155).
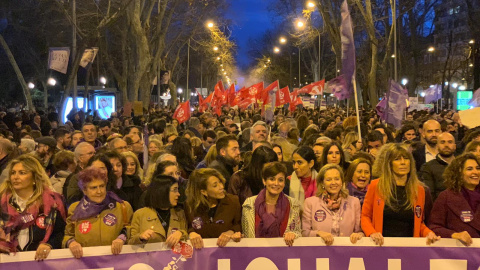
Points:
point(433, 94)
point(269, 254)
point(348, 48)
point(397, 97)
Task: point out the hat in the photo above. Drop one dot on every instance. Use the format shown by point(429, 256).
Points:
point(47, 140)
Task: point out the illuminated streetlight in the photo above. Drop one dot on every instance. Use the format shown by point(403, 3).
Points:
point(103, 80)
point(215, 48)
point(471, 65)
point(454, 85)
point(268, 60)
point(276, 50)
point(210, 25)
point(31, 85)
point(462, 88)
point(299, 24)
point(310, 4)
point(218, 58)
point(180, 90)
point(52, 81)
point(422, 94)
point(393, 55)
point(404, 81)
point(283, 40)
point(472, 41)
point(431, 49)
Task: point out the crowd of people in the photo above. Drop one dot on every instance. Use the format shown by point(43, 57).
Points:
point(309, 173)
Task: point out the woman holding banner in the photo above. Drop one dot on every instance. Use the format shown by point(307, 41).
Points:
point(394, 205)
point(272, 213)
point(99, 219)
point(455, 212)
point(211, 212)
point(332, 212)
point(33, 215)
point(160, 220)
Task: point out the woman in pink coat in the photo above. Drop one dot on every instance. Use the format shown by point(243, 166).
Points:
point(332, 212)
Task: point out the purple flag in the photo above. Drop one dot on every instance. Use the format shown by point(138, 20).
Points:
point(381, 106)
point(339, 87)
point(475, 101)
point(396, 104)
point(348, 47)
point(433, 94)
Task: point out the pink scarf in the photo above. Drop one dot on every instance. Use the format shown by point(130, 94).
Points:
point(309, 186)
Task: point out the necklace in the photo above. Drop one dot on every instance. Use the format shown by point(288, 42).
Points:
point(164, 223)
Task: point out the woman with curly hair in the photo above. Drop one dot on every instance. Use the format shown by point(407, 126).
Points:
point(455, 213)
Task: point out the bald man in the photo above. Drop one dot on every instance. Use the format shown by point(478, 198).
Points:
point(429, 133)
point(432, 171)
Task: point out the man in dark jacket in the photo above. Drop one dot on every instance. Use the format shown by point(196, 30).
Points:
point(228, 156)
point(432, 171)
point(429, 132)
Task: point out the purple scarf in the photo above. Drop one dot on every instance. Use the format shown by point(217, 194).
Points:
point(355, 192)
point(269, 225)
point(472, 197)
point(87, 209)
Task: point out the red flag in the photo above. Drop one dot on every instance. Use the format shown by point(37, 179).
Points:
point(231, 95)
point(202, 104)
point(251, 92)
point(219, 95)
point(182, 113)
point(315, 88)
point(264, 94)
point(282, 97)
point(295, 100)
point(209, 98)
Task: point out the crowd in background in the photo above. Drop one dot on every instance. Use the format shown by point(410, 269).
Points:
point(309, 173)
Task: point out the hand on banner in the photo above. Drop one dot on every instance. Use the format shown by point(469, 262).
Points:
point(117, 245)
point(196, 240)
point(224, 238)
point(377, 238)
point(236, 237)
point(76, 249)
point(354, 237)
point(289, 238)
point(174, 238)
point(42, 252)
point(326, 237)
point(432, 238)
point(464, 237)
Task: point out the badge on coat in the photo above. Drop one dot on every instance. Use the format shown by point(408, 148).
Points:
point(466, 216)
point(110, 219)
point(418, 211)
point(85, 227)
point(40, 222)
point(197, 223)
point(320, 215)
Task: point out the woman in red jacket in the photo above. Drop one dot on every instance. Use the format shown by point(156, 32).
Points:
point(394, 204)
point(456, 213)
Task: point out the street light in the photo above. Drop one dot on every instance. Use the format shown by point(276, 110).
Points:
point(210, 25)
point(103, 80)
point(218, 58)
point(454, 85)
point(276, 50)
point(52, 81)
point(299, 24)
point(283, 40)
point(431, 49)
point(462, 88)
point(180, 90)
point(472, 41)
point(393, 55)
point(310, 4)
point(31, 85)
point(215, 48)
point(404, 81)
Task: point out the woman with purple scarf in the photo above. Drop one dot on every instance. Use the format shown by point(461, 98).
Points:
point(358, 178)
point(32, 214)
point(332, 212)
point(456, 211)
point(99, 219)
point(272, 213)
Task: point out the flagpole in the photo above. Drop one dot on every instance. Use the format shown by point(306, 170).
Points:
point(354, 81)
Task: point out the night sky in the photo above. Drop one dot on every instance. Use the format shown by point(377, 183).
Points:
point(250, 19)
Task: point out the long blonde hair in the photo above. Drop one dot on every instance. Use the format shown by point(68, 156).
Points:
point(138, 168)
point(197, 182)
point(386, 183)
point(321, 177)
point(40, 178)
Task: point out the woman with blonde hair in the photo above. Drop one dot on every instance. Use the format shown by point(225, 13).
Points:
point(154, 146)
point(210, 211)
point(394, 205)
point(133, 164)
point(209, 157)
point(332, 212)
point(351, 144)
point(33, 215)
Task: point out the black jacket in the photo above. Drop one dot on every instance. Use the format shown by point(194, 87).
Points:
point(419, 156)
point(431, 174)
point(224, 167)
